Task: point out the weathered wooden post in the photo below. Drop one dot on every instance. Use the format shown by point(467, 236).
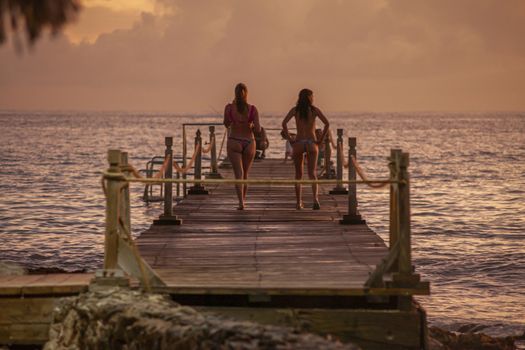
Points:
point(339, 188)
point(353, 217)
point(184, 162)
point(125, 206)
point(111, 275)
point(112, 208)
point(404, 277)
point(327, 158)
point(214, 172)
point(167, 218)
point(197, 188)
point(178, 185)
point(394, 165)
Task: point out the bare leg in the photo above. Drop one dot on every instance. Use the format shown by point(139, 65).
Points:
point(235, 156)
point(312, 172)
point(298, 162)
point(247, 161)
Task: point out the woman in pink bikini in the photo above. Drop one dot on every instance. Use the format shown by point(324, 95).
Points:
point(242, 119)
point(305, 141)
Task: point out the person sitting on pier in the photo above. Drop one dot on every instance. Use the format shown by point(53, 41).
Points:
point(306, 141)
point(261, 144)
point(242, 119)
point(288, 150)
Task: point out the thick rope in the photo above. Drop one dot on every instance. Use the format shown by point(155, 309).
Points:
point(362, 175)
point(334, 145)
point(208, 149)
point(342, 156)
point(136, 174)
point(222, 144)
point(104, 186)
point(162, 170)
point(252, 181)
point(184, 170)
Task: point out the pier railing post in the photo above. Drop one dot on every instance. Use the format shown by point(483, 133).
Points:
point(125, 207)
point(404, 277)
point(214, 172)
point(112, 209)
point(339, 188)
point(327, 156)
point(184, 161)
point(394, 165)
point(111, 275)
point(353, 217)
point(197, 188)
point(167, 218)
point(168, 174)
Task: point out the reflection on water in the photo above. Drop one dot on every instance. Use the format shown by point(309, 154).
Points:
point(468, 186)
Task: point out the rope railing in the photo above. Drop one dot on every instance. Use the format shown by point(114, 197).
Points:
point(119, 177)
point(185, 169)
point(120, 250)
point(360, 172)
point(222, 144)
point(208, 149)
point(342, 159)
point(362, 175)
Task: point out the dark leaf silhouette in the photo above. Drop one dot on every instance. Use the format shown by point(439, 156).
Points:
point(35, 15)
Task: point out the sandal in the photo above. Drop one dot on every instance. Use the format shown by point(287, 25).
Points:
point(317, 206)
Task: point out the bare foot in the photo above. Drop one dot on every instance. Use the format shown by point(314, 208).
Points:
point(299, 206)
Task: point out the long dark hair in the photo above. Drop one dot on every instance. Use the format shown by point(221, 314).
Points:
point(240, 98)
point(303, 103)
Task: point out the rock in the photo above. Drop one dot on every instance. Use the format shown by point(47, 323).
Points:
point(445, 340)
point(123, 319)
point(9, 269)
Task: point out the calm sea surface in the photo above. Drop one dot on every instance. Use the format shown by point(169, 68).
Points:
point(468, 196)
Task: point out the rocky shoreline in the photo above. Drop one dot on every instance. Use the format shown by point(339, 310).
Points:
point(153, 321)
point(123, 319)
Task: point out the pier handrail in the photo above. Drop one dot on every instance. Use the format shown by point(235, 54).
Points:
point(398, 261)
point(119, 248)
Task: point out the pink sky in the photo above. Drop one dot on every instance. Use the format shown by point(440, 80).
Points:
point(357, 55)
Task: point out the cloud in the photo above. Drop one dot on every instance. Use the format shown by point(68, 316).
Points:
point(360, 54)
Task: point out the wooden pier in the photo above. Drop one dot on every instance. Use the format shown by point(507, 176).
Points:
point(323, 271)
point(268, 247)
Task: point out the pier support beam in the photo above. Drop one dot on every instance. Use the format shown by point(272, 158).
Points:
point(353, 217)
point(167, 218)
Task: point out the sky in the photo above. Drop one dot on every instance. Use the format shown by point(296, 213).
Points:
point(356, 55)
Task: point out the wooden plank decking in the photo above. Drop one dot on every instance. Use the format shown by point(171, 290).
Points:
point(269, 263)
point(269, 247)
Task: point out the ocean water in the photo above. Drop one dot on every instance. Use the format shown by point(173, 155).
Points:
point(467, 196)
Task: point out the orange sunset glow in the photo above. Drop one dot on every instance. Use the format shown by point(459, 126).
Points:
point(378, 55)
point(262, 174)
